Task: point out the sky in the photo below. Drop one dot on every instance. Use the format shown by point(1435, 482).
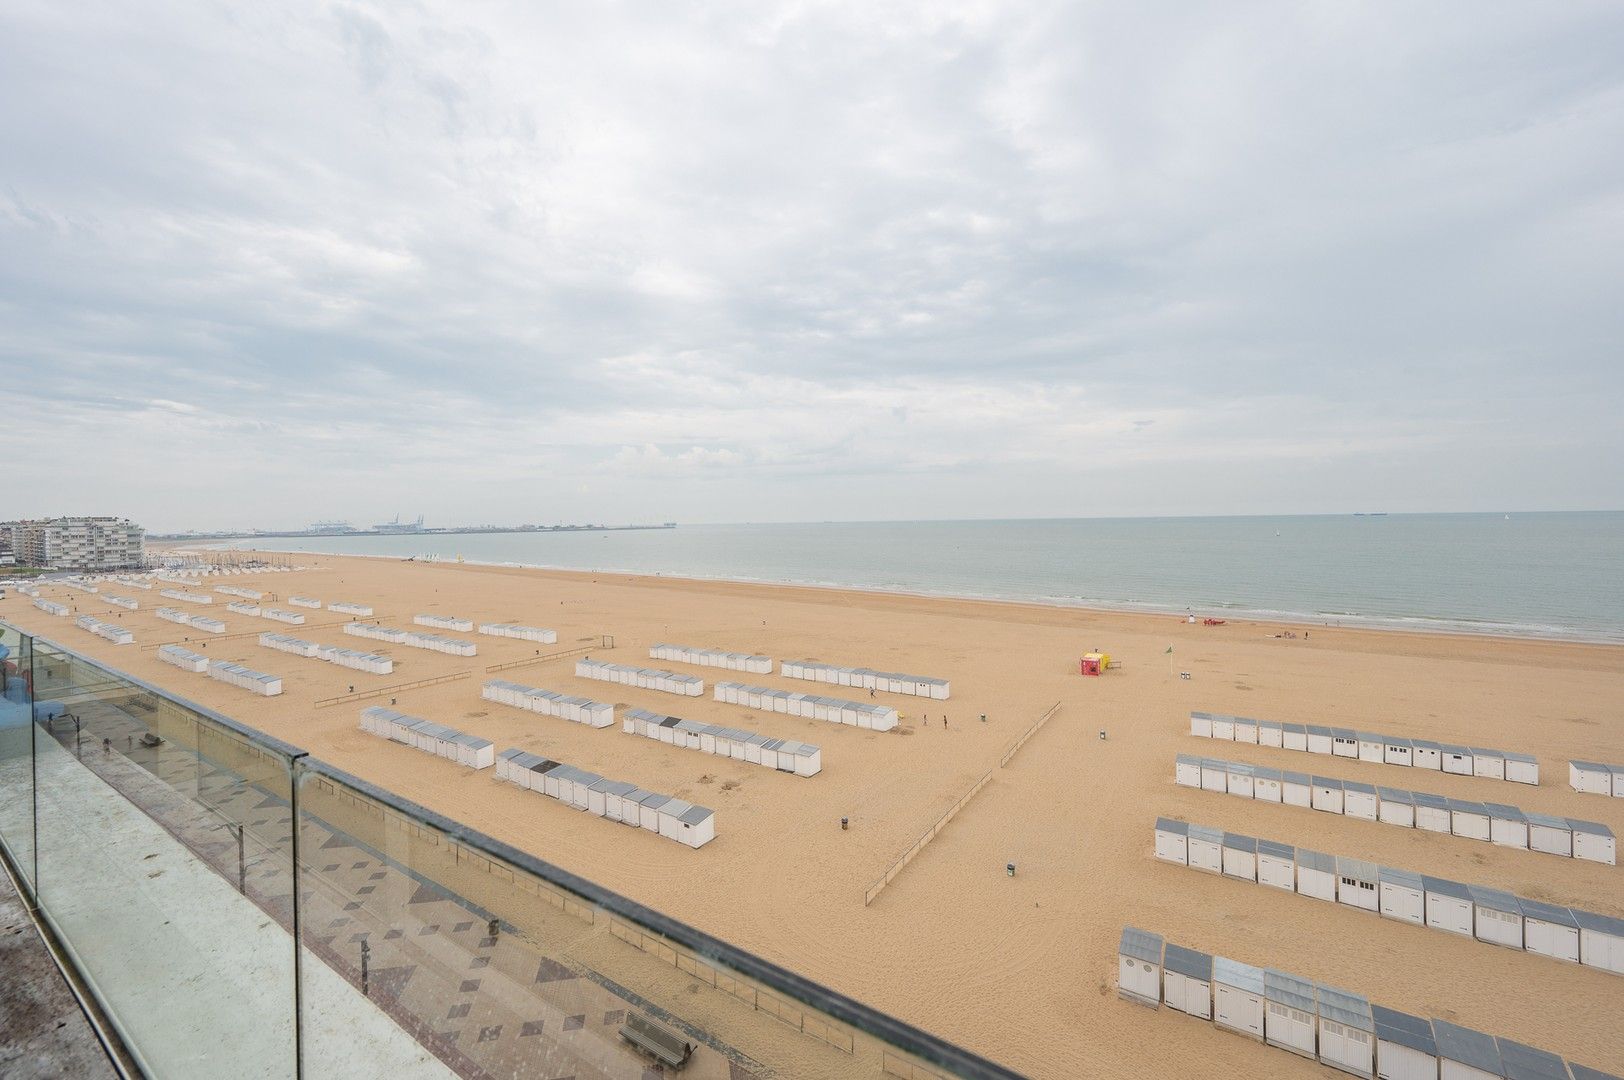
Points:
point(262, 265)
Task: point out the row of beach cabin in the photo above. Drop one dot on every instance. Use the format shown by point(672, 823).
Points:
point(539, 634)
point(243, 607)
point(256, 682)
point(196, 622)
point(890, 682)
point(1487, 914)
point(712, 658)
point(134, 583)
point(597, 714)
point(1497, 823)
point(185, 659)
point(669, 682)
point(1335, 1027)
point(123, 602)
point(305, 602)
point(1594, 778)
point(615, 800)
point(372, 663)
point(51, 607)
point(342, 607)
point(444, 622)
point(785, 755)
point(835, 710)
point(233, 590)
point(1369, 747)
point(732, 661)
point(282, 615)
point(29, 590)
point(111, 631)
point(186, 597)
point(79, 586)
point(447, 742)
point(413, 639)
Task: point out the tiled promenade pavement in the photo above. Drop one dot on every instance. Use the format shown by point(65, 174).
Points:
point(486, 1006)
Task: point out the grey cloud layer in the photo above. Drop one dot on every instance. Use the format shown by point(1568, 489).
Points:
point(809, 261)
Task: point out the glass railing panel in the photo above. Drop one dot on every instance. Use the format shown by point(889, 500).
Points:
point(503, 966)
point(16, 752)
point(165, 863)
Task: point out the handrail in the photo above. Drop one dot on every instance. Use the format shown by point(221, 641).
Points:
point(898, 1034)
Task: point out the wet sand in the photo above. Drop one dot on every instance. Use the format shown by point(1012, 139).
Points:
point(1021, 969)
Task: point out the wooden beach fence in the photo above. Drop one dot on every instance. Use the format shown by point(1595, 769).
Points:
point(941, 823)
point(560, 655)
point(362, 695)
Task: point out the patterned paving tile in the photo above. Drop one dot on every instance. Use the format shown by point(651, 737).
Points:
point(571, 1023)
point(469, 986)
point(462, 928)
point(615, 1016)
point(551, 970)
point(532, 1027)
point(457, 1012)
point(490, 1034)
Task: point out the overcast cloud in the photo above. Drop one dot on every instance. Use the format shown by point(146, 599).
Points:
point(263, 264)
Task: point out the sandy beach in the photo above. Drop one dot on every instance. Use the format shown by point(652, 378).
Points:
point(1020, 969)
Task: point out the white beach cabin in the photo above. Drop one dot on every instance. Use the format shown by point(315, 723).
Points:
point(1372, 747)
point(1240, 856)
point(1316, 875)
point(1277, 865)
point(1223, 727)
point(1550, 930)
point(1457, 760)
point(1294, 736)
point(1403, 895)
point(1396, 807)
point(1464, 1054)
point(1449, 905)
point(1328, 795)
point(1508, 826)
point(1201, 728)
point(1296, 789)
point(1498, 916)
point(1139, 967)
point(1187, 981)
point(1426, 754)
point(1359, 800)
point(1522, 1062)
point(1549, 834)
point(1405, 1049)
point(1397, 751)
point(1593, 841)
point(1237, 997)
point(1489, 764)
point(1320, 740)
point(1172, 841)
point(1265, 784)
point(1206, 849)
point(1358, 883)
point(1347, 1032)
point(1522, 768)
point(1468, 819)
point(1269, 733)
point(1431, 812)
point(1292, 1020)
point(1601, 941)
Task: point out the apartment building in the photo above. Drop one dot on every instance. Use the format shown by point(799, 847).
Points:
point(76, 543)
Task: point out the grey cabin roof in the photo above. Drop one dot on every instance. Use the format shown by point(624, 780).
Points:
point(1594, 827)
point(1445, 887)
point(1276, 849)
point(1538, 909)
point(1504, 812)
point(1168, 825)
point(1396, 795)
point(1407, 878)
point(1207, 833)
point(1290, 990)
point(1598, 924)
point(1344, 1007)
point(1328, 782)
point(1466, 806)
point(1467, 1047)
point(1141, 945)
point(1240, 843)
point(1585, 1072)
point(1236, 974)
point(1295, 778)
point(1354, 785)
point(1187, 962)
point(1358, 869)
point(1495, 900)
point(1424, 798)
point(1316, 860)
point(1522, 1062)
point(1403, 1029)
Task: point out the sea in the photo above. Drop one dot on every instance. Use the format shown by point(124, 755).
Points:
point(1536, 575)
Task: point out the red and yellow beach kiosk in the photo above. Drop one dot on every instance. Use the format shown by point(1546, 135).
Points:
point(1095, 663)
